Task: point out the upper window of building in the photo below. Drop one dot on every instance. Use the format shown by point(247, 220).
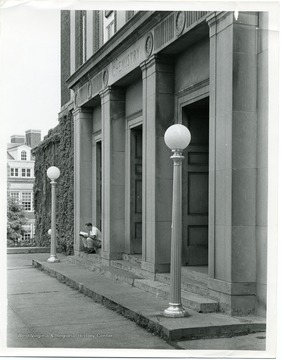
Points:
point(26, 172)
point(14, 172)
point(110, 29)
point(23, 155)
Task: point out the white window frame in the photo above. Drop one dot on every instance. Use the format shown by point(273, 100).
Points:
point(14, 172)
point(12, 195)
point(23, 155)
point(26, 203)
point(110, 29)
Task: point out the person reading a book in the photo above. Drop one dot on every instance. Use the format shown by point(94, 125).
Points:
point(91, 239)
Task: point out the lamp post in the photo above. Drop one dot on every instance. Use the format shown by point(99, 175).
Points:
point(53, 173)
point(177, 137)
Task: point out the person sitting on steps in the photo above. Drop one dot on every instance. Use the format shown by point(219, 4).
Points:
point(91, 239)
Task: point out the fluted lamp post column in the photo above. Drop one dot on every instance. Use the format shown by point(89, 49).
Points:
point(177, 137)
point(53, 174)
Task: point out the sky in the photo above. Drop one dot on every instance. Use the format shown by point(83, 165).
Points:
point(30, 68)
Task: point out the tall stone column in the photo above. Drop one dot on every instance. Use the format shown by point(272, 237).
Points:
point(82, 172)
point(233, 141)
point(113, 173)
point(158, 115)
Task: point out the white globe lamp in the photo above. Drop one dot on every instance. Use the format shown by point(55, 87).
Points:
point(177, 137)
point(53, 173)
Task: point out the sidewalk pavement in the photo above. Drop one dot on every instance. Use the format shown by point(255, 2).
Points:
point(72, 313)
point(44, 313)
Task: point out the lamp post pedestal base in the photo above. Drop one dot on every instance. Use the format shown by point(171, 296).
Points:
point(53, 259)
point(174, 311)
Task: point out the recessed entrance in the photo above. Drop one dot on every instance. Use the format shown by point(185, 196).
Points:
point(99, 185)
point(195, 185)
point(136, 190)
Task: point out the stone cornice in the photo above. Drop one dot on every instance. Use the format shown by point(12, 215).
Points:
point(133, 30)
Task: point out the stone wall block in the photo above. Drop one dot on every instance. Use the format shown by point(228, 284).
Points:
point(222, 254)
point(243, 254)
point(244, 129)
point(243, 197)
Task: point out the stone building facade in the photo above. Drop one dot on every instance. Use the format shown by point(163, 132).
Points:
point(128, 76)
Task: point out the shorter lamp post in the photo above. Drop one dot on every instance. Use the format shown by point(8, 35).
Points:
point(53, 173)
point(177, 137)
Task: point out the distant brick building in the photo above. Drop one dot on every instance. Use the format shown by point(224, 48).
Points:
point(126, 77)
point(20, 166)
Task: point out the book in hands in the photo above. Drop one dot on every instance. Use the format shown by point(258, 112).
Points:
point(84, 234)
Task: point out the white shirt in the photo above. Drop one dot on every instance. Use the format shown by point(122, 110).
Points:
point(96, 232)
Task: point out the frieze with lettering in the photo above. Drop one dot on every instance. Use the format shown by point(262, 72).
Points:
point(127, 61)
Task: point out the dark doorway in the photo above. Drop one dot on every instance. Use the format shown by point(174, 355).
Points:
point(99, 185)
point(136, 190)
point(196, 185)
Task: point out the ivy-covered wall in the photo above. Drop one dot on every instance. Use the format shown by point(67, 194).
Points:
point(55, 150)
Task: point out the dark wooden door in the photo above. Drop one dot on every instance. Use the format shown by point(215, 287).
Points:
point(136, 191)
point(195, 186)
point(99, 185)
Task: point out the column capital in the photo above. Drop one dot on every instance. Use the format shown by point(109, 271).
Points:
point(149, 62)
point(164, 61)
point(82, 110)
point(116, 93)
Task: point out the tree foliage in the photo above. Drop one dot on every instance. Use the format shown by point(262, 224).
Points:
point(16, 219)
point(55, 150)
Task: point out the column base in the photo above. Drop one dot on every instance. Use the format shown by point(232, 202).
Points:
point(53, 259)
point(175, 311)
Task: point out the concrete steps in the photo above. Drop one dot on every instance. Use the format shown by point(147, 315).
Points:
point(192, 301)
point(145, 309)
point(187, 284)
point(129, 271)
point(93, 262)
point(193, 296)
point(193, 280)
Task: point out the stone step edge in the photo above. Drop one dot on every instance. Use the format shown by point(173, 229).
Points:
point(133, 258)
point(190, 300)
point(196, 278)
point(133, 268)
point(28, 250)
point(108, 271)
point(170, 335)
point(190, 285)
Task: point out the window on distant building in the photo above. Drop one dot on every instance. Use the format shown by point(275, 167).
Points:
point(23, 155)
point(14, 172)
point(28, 172)
point(28, 233)
point(26, 236)
point(23, 172)
point(15, 195)
point(26, 201)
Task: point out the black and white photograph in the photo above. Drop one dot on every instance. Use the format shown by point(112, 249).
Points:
point(140, 191)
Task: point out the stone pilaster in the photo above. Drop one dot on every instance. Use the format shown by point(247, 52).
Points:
point(233, 141)
point(113, 172)
point(158, 115)
point(82, 118)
